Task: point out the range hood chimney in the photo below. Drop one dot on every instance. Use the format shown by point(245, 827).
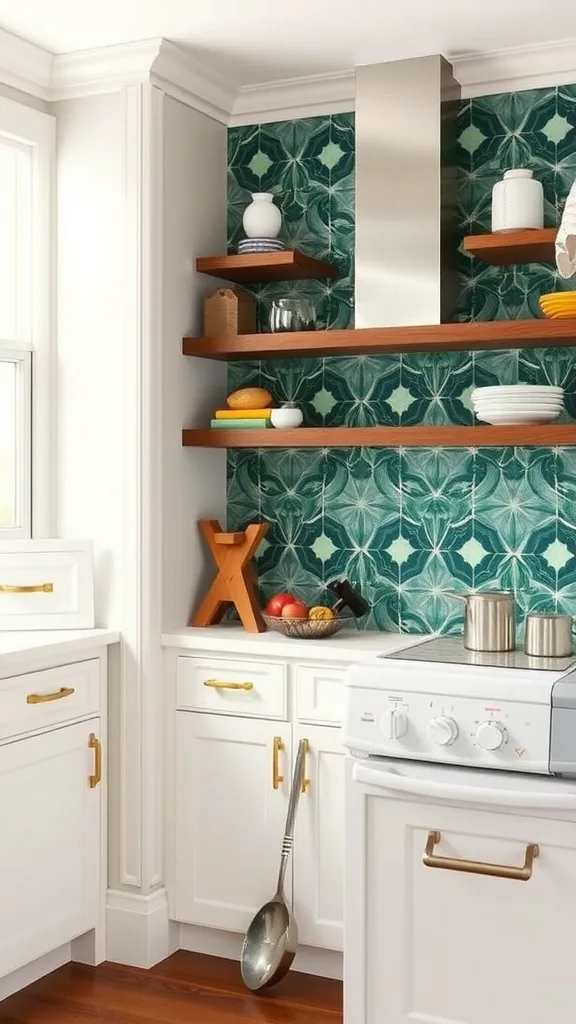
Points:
point(406, 192)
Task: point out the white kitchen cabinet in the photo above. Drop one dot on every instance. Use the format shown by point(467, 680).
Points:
point(229, 818)
point(319, 840)
point(420, 939)
point(50, 848)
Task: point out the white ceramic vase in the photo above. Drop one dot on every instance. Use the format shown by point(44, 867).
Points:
point(517, 202)
point(262, 218)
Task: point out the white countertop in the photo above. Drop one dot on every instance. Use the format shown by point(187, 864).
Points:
point(47, 641)
point(347, 646)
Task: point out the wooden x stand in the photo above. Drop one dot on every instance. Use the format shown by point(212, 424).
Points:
point(236, 580)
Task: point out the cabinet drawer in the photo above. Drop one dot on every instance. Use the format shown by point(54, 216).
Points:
point(233, 687)
point(319, 693)
point(46, 584)
point(39, 699)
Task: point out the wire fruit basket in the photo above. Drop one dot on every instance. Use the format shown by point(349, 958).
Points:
point(306, 629)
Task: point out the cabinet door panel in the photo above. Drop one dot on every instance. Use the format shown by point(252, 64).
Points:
point(50, 843)
point(229, 818)
point(447, 947)
point(319, 841)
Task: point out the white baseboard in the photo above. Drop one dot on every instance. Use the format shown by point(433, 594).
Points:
point(138, 931)
point(30, 973)
point(324, 963)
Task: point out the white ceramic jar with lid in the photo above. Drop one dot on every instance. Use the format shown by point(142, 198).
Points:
point(517, 202)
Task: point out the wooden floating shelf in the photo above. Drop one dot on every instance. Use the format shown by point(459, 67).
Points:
point(548, 435)
point(288, 265)
point(493, 334)
point(513, 247)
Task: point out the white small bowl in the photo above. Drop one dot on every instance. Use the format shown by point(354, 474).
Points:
point(286, 418)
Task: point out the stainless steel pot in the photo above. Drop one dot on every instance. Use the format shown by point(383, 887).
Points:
point(548, 635)
point(489, 621)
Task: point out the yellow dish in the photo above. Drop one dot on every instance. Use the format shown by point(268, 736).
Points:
point(557, 305)
point(558, 297)
point(569, 314)
point(569, 299)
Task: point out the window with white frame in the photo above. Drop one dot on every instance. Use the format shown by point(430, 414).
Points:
point(26, 409)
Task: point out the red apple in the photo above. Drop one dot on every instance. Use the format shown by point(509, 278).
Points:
point(295, 610)
point(276, 604)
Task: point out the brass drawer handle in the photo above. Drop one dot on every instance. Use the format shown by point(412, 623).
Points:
point(306, 783)
point(479, 867)
point(43, 698)
point(95, 745)
point(216, 684)
point(39, 588)
point(277, 747)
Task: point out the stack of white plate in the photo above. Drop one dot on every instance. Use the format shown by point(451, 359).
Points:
point(252, 245)
point(518, 403)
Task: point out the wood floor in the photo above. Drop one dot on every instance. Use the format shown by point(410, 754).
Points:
point(187, 987)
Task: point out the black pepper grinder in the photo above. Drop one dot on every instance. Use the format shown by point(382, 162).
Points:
point(348, 597)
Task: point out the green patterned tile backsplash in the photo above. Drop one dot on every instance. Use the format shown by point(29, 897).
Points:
point(409, 525)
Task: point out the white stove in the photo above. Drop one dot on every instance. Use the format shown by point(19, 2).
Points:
point(460, 786)
point(438, 702)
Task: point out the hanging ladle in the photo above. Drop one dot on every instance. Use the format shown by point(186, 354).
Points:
point(272, 937)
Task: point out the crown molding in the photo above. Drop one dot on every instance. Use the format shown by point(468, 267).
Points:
point(482, 74)
point(156, 61)
point(284, 99)
point(105, 69)
point(516, 68)
point(33, 70)
point(184, 78)
point(24, 66)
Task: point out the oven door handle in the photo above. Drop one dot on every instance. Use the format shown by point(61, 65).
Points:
point(393, 781)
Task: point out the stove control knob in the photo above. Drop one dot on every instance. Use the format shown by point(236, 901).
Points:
point(395, 724)
point(491, 735)
point(442, 730)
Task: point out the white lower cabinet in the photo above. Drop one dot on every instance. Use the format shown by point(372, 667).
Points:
point(319, 841)
point(422, 940)
point(50, 881)
point(229, 817)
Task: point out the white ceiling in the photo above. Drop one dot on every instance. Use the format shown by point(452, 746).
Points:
point(252, 41)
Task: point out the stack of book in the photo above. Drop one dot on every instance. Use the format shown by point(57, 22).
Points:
point(241, 419)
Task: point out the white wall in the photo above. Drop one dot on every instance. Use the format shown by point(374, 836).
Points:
point(89, 331)
point(193, 480)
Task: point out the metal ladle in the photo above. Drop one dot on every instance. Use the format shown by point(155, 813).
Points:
point(272, 937)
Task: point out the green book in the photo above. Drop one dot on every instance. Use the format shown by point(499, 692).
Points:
point(240, 424)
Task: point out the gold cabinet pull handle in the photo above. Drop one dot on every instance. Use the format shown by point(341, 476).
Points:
point(39, 588)
point(306, 783)
point(43, 698)
point(95, 745)
point(479, 867)
point(216, 684)
point(277, 748)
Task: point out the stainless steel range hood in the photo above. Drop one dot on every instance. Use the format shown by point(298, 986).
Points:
point(405, 192)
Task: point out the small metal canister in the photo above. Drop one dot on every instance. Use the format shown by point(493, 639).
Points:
point(548, 635)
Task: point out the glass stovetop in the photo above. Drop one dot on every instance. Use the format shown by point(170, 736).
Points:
point(450, 650)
